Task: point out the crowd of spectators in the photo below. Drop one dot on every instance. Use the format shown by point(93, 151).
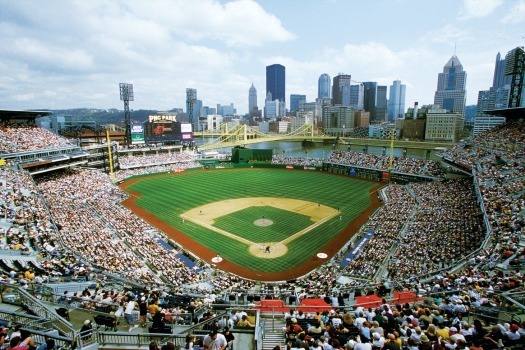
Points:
point(85, 205)
point(499, 175)
point(23, 137)
point(434, 324)
point(382, 162)
point(27, 226)
point(386, 225)
point(301, 161)
point(126, 173)
point(445, 227)
point(132, 161)
point(422, 230)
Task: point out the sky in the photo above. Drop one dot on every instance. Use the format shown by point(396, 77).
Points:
point(60, 54)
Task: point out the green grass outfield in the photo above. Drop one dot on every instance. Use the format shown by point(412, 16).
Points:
point(169, 196)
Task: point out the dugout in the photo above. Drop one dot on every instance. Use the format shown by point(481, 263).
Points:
point(246, 155)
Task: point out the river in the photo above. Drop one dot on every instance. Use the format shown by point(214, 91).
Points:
point(319, 150)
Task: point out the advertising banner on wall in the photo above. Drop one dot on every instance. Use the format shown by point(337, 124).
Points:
point(137, 134)
point(185, 128)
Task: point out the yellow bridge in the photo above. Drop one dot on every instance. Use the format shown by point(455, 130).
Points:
point(243, 135)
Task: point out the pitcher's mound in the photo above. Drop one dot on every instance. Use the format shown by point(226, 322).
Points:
point(268, 250)
point(263, 222)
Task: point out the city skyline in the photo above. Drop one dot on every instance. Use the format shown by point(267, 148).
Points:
point(74, 54)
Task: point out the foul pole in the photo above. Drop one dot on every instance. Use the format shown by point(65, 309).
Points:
point(110, 156)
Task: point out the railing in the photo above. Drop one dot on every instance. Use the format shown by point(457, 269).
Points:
point(18, 296)
point(259, 333)
point(116, 339)
point(60, 342)
point(25, 319)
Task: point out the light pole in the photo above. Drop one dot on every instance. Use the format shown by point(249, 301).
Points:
point(126, 95)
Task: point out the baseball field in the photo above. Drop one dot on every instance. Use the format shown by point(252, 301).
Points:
point(265, 224)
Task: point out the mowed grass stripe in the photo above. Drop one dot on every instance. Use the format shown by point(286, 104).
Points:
point(285, 224)
point(168, 197)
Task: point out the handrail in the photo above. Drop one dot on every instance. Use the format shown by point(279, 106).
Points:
point(259, 333)
point(36, 306)
point(139, 339)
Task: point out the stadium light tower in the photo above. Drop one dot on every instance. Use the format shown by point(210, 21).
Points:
point(126, 95)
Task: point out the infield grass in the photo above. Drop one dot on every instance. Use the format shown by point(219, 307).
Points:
point(166, 197)
point(285, 224)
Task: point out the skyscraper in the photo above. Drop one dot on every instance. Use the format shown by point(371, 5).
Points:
point(370, 98)
point(192, 108)
point(451, 93)
point(497, 97)
point(356, 96)
point(381, 104)
point(341, 87)
point(252, 99)
point(396, 103)
point(500, 79)
point(276, 81)
point(323, 86)
point(294, 102)
point(515, 70)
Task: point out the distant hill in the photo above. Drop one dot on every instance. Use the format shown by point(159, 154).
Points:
point(113, 116)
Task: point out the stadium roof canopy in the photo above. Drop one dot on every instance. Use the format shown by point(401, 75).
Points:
point(13, 115)
point(516, 112)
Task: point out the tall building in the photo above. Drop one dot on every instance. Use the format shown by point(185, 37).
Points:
point(370, 98)
point(341, 89)
point(323, 86)
point(381, 104)
point(302, 118)
point(338, 120)
point(442, 125)
point(483, 123)
point(294, 102)
point(193, 108)
point(276, 81)
point(515, 69)
point(499, 95)
point(225, 110)
point(273, 108)
point(357, 93)
point(451, 93)
point(489, 100)
point(252, 99)
point(500, 79)
point(396, 103)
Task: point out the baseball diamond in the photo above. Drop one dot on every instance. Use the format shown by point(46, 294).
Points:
point(266, 224)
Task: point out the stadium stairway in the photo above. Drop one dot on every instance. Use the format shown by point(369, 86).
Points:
point(273, 331)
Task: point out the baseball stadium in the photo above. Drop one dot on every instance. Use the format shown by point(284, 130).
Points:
point(116, 246)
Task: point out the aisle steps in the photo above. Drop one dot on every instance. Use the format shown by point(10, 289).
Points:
point(273, 332)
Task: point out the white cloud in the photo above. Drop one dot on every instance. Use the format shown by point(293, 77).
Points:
point(236, 23)
point(42, 54)
point(516, 14)
point(448, 33)
point(478, 8)
point(74, 53)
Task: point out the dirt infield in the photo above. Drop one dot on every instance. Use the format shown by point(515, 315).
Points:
point(209, 212)
point(206, 214)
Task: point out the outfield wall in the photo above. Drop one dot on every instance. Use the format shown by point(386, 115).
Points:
point(263, 165)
